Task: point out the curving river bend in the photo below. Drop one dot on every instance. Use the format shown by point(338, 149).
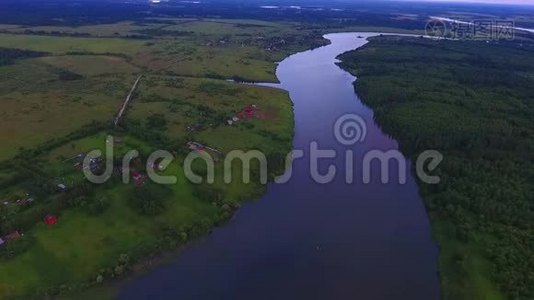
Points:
point(305, 240)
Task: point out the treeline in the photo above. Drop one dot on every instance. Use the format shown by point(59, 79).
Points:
point(474, 102)
point(150, 32)
point(56, 33)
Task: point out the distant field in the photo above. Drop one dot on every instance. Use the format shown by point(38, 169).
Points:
point(104, 30)
point(90, 65)
point(93, 97)
point(62, 45)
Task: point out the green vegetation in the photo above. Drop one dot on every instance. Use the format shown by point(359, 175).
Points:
point(61, 88)
point(8, 55)
point(474, 103)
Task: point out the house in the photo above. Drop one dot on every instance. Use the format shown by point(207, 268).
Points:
point(247, 112)
point(15, 235)
point(136, 175)
point(50, 219)
point(138, 178)
point(23, 202)
point(196, 146)
point(61, 187)
point(194, 127)
point(1, 242)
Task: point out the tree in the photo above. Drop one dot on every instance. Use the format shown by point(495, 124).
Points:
point(150, 198)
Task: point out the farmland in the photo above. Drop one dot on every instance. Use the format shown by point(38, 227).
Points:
point(61, 88)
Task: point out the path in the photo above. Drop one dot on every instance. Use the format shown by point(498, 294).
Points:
point(127, 101)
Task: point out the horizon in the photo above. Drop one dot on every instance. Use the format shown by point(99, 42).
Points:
point(493, 2)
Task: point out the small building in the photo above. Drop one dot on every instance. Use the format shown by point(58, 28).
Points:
point(50, 219)
point(248, 112)
point(61, 187)
point(15, 235)
point(1, 242)
point(194, 127)
point(196, 146)
point(23, 202)
point(138, 178)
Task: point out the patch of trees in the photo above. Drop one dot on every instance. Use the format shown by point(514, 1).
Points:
point(156, 122)
point(121, 55)
point(9, 55)
point(88, 202)
point(473, 102)
point(56, 33)
point(66, 75)
point(162, 32)
point(150, 198)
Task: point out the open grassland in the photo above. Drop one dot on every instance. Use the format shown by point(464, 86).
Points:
point(473, 102)
point(63, 45)
point(102, 68)
point(91, 65)
point(59, 102)
point(38, 104)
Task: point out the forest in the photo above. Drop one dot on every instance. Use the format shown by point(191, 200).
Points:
point(473, 102)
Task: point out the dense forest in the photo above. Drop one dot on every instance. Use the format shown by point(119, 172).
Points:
point(474, 102)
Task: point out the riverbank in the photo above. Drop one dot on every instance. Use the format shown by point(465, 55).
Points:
point(449, 96)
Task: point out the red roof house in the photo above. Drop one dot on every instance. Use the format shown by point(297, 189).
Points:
point(50, 219)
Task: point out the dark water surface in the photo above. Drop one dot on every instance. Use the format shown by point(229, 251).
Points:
point(305, 240)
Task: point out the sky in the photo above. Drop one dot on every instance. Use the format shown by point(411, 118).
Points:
point(524, 2)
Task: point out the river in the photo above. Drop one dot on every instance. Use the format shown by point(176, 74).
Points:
point(305, 240)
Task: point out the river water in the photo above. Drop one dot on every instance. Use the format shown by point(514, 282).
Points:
point(305, 240)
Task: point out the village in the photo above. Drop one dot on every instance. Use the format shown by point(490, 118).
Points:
point(21, 200)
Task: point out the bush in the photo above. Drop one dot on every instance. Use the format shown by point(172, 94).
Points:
point(98, 205)
point(156, 122)
point(150, 199)
point(65, 75)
